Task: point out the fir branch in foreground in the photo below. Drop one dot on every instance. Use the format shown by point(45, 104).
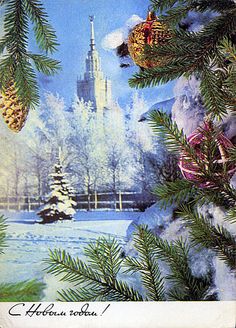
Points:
point(97, 281)
point(217, 197)
point(214, 96)
point(174, 139)
point(231, 215)
point(186, 287)
point(200, 5)
point(205, 234)
point(104, 257)
point(174, 192)
point(44, 33)
point(146, 265)
point(44, 64)
point(188, 53)
point(26, 291)
point(98, 284)
point(232, 153)
point(3, 227)
point(158, 75)
point(16, 63)
point(228, 49)
point(183, 191)
point(176, 142)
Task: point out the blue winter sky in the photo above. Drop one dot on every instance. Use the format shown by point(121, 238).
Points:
point(71, 22)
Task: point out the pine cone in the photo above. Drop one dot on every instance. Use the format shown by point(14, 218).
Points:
point(13, 111)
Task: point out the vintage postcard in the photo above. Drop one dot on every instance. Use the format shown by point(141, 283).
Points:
point(118, 163)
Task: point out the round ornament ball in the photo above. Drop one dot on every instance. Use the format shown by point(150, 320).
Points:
point(223, 169)
point(151, 32)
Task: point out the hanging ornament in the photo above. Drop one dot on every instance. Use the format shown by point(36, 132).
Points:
point(151, 32)
point(12, 109)
point(223, 169)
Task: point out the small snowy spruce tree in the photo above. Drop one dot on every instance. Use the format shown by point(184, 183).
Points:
point(59, 205)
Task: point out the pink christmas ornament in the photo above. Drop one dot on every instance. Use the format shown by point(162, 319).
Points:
point(223, 167)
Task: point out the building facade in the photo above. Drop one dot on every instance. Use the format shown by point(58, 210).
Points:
point(94, 87)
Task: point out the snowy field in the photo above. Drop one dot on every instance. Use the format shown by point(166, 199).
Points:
point(28, 242)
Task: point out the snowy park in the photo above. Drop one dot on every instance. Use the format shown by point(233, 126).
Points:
point(29, 242)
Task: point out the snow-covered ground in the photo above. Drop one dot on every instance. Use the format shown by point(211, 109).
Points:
point(28, 242)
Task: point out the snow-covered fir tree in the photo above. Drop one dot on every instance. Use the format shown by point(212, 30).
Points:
point(59, 205)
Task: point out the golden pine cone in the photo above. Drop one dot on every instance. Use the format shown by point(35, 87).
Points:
point(13, 111)
point(151, 32)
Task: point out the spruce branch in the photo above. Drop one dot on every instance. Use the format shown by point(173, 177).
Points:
point(200, 53)
point(228, 49)
point(26, 291)
point(232, 153)
point(185, 285)
point(197, 6)
point(217, 197)
point(16, 62)
point(158, 75)
point(82, 294)
point(175, 14)
point(16, 28)
point(214, 96)
point(214, 5)
point(44, 33)
point(219, 28)
point(26, 83)
point(97, 282)
point(165, 51)
point(72, 270)
point(174, 192)
point(104, 257)
point(204, 233)
point(229, 84)
point(146, 265)
point(159, 5)
point(231, 215)
point(174, 139)
point(44, 64)
point(3, 227)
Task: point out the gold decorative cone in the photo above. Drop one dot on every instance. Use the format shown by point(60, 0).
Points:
point(13, 111)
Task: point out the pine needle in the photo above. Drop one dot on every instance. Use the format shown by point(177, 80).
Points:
point(3, 228)
point(26, 291)
point(205, 234)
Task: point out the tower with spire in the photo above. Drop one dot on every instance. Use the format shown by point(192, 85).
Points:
point(94, 87)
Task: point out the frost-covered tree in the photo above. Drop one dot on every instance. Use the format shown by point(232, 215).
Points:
point(15, 165)
point(59, 205)
point(119, 165)
point(88, 148)
point(55, 126)
point(49, 129)
point(145, 150)
point(140, 134)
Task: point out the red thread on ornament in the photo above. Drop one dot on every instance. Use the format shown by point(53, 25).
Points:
point(191, 171)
